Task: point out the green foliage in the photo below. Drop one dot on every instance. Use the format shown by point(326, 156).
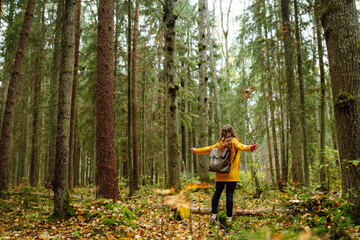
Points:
point(77, 234)
point(127, 214)
point(109, 221)
point(324, 214)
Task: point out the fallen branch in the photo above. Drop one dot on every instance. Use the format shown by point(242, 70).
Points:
point(254, 212)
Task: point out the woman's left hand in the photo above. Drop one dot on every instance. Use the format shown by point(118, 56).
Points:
point(192, 150)
point(254, 146)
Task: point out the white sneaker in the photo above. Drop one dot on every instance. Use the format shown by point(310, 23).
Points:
point(213, 219)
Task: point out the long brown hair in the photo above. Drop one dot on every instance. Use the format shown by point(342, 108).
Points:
point(227, 134)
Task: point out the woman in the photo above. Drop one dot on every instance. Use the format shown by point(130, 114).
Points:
point(229, 140)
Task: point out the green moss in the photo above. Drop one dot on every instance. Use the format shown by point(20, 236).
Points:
point(127, 213)
point(201, 46)
point(344, 99)
point(223, 219)
point(173, 88)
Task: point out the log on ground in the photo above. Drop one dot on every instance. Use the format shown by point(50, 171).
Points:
point(242, 212)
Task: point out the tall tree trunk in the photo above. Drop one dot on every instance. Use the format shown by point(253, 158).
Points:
point(143, 135)
point(106, 175)
point(269, 149)
point(322, 98)
point(54, 87)
point(272, 104)
point(61, 194)
point(284, 165)
point(316, 94)
point(214, 75)
point(38, 51)
point(34, 162)
point(203, 99)
point(284, 169)
point(73, 98)
point(183, 128)
point(341, 28)
point(128, 162)
point(302, 95)
point(24, 143)
point(226, 53)
point(77, 149)
point(7, 122)
point(169, 19)
point(293, 106)
point(135, 182)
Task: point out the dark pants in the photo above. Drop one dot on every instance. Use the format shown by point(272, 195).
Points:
point(230, 188)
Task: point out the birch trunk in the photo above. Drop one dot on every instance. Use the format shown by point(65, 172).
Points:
point(203, 98)
point(214, 74)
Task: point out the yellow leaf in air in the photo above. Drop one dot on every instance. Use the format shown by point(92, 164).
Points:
point(202, 185)
point(81, 219)
point(184, 212)
point(178, 201)
point(165, 191)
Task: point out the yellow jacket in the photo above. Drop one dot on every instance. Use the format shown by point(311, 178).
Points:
point(234, 174)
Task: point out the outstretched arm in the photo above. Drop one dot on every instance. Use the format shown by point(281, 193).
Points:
point(246, 148)
point(203, 150)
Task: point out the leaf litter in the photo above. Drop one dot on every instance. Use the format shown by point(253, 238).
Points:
point(165, 214)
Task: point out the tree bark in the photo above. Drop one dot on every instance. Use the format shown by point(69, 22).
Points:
point(143, 124)
point(183, 128)
point(203, 160)
point(7, 122)
point(73, 98)
point(128, 162)
point(272, 103)
point(34, 161)
point(106, 175)
point(214, 75)
point(135, 182)
point(226, 53)
point(38, 52)
point(269, 148)
point(341, 28)
point(169, 19)
point(61, 194)
point(54, 87)
point(302, 96)
point(322, 97)
point(293, 106)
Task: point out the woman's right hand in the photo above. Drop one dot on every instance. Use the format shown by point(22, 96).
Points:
point(192, 150)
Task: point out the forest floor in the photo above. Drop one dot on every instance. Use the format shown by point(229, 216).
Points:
point(147, 215)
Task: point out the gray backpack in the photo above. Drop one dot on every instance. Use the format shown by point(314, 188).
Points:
point(220, 160)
